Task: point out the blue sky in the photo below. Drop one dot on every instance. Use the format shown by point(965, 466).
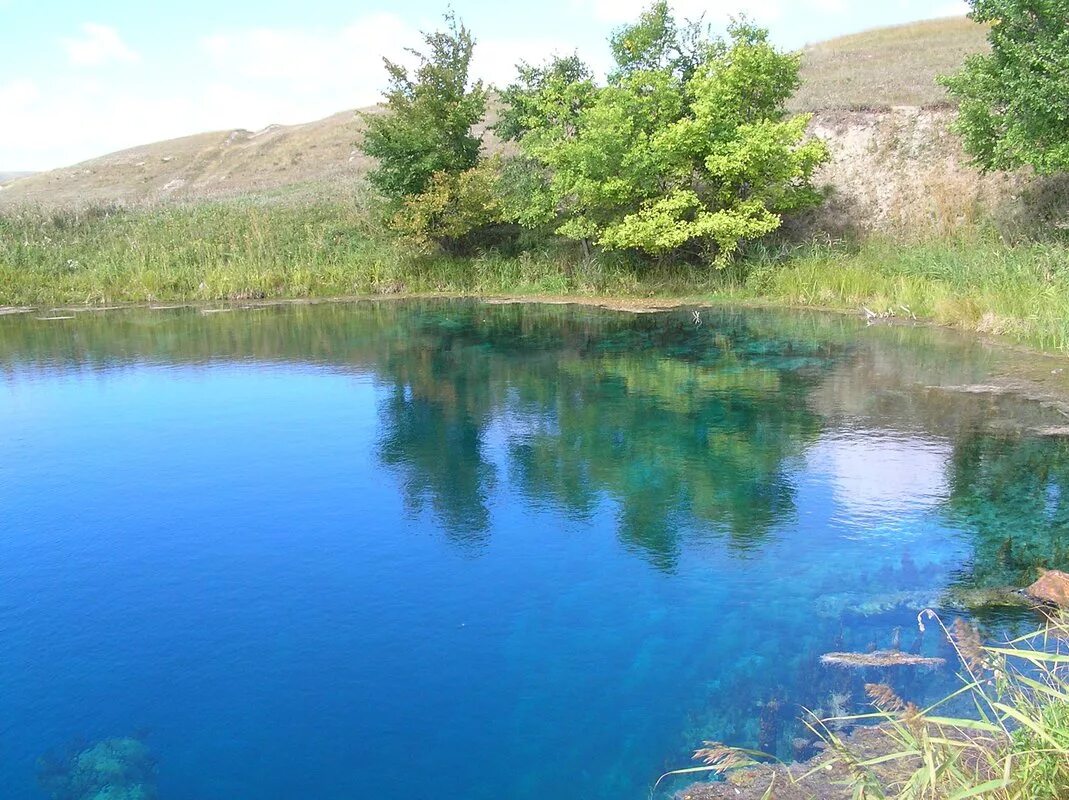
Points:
point(79, 79)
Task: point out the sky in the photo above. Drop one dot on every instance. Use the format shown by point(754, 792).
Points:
point(80, 79)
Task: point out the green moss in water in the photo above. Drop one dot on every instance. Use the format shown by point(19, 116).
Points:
point(111, 769)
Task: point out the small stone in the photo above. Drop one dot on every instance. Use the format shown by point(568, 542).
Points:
point(1052, 587)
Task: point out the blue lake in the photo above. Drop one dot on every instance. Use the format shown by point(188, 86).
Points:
point(442, 549)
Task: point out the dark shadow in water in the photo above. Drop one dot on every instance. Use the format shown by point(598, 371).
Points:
point(1011, 493)
point(438, 450)
point(116, 769)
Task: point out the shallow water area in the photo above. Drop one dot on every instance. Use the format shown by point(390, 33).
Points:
point(463, 550)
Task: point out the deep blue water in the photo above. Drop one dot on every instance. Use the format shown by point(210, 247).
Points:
point(451, 550)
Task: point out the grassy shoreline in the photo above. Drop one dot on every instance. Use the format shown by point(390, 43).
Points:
point(242, 253)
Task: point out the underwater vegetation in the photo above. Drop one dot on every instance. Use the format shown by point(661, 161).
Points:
point(1012, 493)
point(111, 769)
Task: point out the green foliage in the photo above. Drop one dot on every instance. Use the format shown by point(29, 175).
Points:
point(244, 251)
point(546, 100)
point(1048, 766)
point(687, 149)
point(452, 208)
point(541, 109)
point(426, 127)
point(1014, 101)
point(975, 283)
point(656, 42)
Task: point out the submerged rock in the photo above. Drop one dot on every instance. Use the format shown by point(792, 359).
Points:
point(972, 599)
point(880, 658)
point(1052, 587)
point(834, 605)
point(111, 769)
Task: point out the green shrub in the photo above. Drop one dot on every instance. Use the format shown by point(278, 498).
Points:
point(427, 125)
point(688, 149)
point(453, 210)
point(1014, 101)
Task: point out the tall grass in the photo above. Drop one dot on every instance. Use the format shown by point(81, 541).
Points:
point(233, 251)
point(1016, 747)
point(977, 283)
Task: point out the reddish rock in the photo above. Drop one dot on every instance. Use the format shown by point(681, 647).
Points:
point(1052, 587)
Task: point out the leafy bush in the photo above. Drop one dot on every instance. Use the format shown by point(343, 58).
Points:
point(687, 149)
point(452, 209)
point(1014, 101)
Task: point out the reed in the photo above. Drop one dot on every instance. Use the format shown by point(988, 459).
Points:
point(977, 283)
point(242, 251)
point(1014, 747)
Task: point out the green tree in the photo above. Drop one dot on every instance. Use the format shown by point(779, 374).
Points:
point(688, 148)
point(452, 208)
point(541, 109)
point(657, 42)
point(427, 126)
point(546, 99)
point(1014, 101)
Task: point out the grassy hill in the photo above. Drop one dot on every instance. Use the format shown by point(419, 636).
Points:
point(318, 161)
point(284, 160)
point(887, 67)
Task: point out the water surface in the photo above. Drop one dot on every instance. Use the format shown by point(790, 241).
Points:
point(454, 550)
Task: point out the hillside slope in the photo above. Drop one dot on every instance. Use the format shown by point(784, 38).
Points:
point(887, 67)
point(285, 159)
point(874, 70)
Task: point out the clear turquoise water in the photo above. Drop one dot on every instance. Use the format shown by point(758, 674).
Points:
point(452, 550)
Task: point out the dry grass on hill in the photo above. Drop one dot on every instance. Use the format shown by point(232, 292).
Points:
point(312, 162)
point(887, 67)
point(299, 160)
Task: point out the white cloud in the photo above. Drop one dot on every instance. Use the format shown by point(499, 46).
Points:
point(348, 62)
point(99, 44)
point(18, 94)
point(351, 53)
point(882, 476)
